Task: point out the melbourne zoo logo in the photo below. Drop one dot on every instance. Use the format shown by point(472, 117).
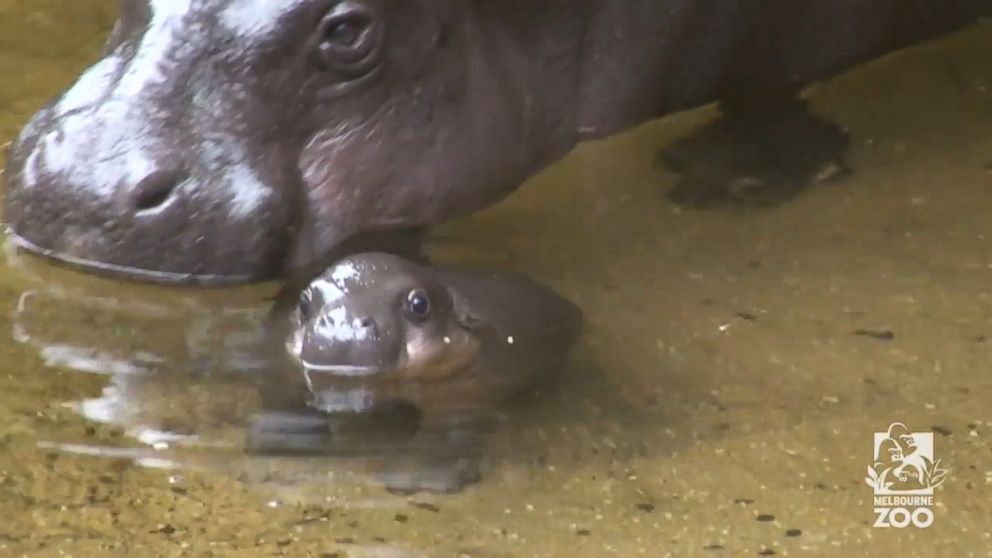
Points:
point(903, 477)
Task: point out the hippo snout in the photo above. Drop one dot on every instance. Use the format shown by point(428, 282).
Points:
point(102, 187)
point(159, 163)
point(341, 344)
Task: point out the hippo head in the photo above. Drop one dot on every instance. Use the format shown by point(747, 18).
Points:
point(237, 140)
point(375, 323)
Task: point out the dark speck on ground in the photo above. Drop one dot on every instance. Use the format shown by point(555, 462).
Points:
point(879, 334)
point(426, 506)
point(942, 430)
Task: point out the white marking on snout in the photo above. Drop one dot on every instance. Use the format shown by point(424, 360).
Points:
point(248, 193)
point(328, 290)
point(334, 325)
point(90, 87)
point(158, 46)
point(256, 17)
point(30, 169)
point(344, 271)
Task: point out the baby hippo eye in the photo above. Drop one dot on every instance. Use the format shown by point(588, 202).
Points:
point(418, 304)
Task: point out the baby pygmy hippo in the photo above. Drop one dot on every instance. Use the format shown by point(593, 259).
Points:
point(375, 328)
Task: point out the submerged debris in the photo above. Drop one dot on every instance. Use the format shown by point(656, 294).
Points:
point(879, 334)
point(426, 506)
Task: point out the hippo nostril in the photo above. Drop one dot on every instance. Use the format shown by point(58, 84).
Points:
point(155, 189)
point(367, 323)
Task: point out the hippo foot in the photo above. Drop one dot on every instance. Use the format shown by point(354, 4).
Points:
point(758, 154)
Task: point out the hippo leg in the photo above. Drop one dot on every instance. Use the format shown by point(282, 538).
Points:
point(762, 151)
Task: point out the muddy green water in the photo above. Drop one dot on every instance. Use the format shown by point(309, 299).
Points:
point(681, 429)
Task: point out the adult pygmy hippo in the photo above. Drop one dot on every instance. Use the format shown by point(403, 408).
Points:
point(233, 140)
point(375, 328)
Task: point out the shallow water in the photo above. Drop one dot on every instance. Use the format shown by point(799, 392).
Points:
point(719, 380)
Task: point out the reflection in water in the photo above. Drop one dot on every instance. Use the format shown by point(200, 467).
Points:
point(194, 382)
point(405, 454)
point(178, 364)
point(75, 357)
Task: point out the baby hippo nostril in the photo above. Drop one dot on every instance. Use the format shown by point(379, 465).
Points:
point(155, 189)
point(368, 327)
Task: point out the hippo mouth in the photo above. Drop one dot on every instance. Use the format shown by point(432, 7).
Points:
point(122, 271)
point(341, 370)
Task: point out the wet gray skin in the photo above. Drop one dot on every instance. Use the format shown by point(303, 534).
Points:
point(236, 140)
point(376, 328)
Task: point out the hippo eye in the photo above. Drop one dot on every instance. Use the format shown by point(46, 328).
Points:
point(348, 40)
point(343, 33)
point(418, 304)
